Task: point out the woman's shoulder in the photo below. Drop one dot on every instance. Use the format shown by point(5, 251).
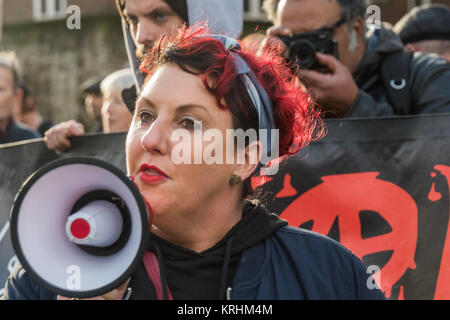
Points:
point(310, 237)
point(307, 242)
point(313, 253)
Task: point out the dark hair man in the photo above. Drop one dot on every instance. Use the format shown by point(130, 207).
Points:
point(426, 28)
point(10, 131)
point(363, 74)
point(143, 23)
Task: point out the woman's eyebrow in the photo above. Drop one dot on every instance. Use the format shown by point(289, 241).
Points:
point(188, 107)
point(143, 102)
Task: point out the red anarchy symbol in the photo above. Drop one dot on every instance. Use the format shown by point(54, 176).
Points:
point(345, 196)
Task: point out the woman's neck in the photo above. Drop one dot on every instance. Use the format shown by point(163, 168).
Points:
point(202, 229)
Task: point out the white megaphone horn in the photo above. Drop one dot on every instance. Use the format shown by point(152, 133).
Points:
point(79, 214)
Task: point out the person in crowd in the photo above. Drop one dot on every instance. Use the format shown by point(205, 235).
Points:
point(144, 22)
point(426, 28)
point(93, 100)
point(10, 95)
point(115, 116)
point(208, 230)
point(29, 114)
point(354, 73)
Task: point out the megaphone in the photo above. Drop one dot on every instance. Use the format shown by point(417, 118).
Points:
point(79, 227)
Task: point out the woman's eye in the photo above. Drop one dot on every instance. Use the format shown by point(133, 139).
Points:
point(190, 124)
point(145, 117)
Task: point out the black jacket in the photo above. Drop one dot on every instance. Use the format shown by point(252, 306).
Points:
point(273, 261)
point(17, 132)
point(429, 80)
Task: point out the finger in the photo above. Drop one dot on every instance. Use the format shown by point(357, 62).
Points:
point(51, 140)
point(117, 293)
point(313, 78)
point(48, 142)
point(66, 298)
point(52, 136)
point(278, 31)
point(329, 61)
point(273, 41)
point(62, 132)
point(62, 142)
point(75, 129)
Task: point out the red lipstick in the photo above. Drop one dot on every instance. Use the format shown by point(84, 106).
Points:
point(150, 174)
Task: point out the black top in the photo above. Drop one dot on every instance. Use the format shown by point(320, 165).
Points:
point(45, 125)
point(200, 276)
point(17, 132)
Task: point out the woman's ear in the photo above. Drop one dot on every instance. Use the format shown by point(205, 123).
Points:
point(252, 155)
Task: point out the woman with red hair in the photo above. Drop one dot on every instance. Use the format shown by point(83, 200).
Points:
point(210, 237)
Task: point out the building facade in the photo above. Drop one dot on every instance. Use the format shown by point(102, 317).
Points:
point(57, 55)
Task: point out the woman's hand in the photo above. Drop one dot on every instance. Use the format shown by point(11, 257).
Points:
point(116, 294)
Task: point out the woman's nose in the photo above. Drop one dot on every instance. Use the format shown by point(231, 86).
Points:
point(155, 139)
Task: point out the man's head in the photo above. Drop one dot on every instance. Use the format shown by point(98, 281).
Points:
point(427, 29)
point(115, 115)
point(305, 16)
point(9, 84)
point(149, 19)
point(92, 97)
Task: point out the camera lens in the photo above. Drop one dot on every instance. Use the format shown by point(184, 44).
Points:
point(303, 52)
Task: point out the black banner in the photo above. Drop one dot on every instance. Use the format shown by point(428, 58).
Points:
point(379, 186)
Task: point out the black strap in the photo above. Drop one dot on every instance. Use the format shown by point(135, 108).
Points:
point(395, 74)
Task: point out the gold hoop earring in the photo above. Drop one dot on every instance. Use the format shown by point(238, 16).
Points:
point(235, 179)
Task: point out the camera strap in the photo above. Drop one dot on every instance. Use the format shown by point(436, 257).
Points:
point(395, 74)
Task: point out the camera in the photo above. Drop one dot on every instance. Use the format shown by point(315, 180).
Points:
point(302, 48)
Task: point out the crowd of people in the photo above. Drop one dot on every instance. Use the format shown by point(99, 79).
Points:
point(355, 83)
point(356, 72)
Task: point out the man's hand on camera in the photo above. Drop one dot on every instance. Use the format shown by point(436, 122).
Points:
point(57, 137)
point(272, 39)
point(336, 91)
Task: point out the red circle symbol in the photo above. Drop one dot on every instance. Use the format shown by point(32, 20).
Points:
point(80, 228)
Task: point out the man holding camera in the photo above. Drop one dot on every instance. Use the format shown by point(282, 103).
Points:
point(354, 73)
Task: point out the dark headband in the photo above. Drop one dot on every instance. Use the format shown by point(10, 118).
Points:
point(258, 95)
